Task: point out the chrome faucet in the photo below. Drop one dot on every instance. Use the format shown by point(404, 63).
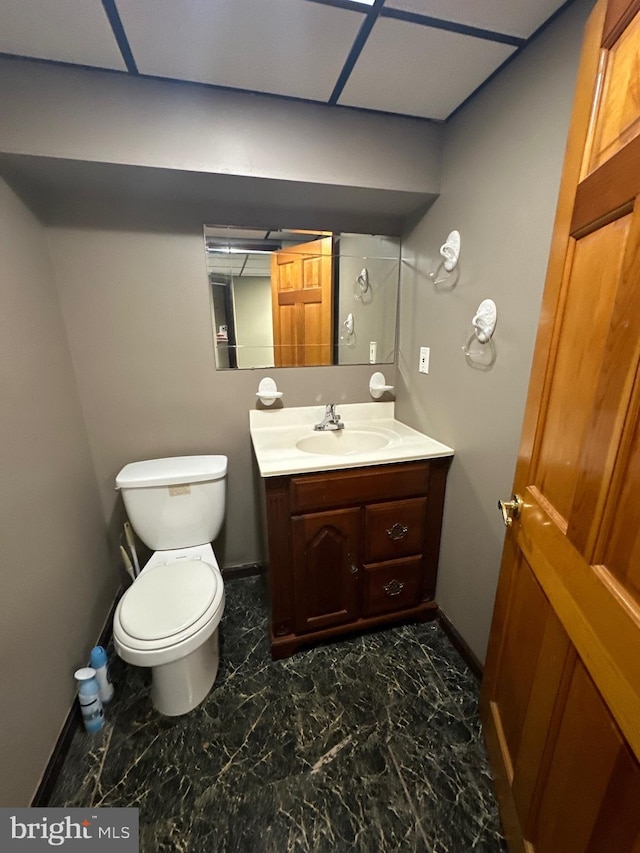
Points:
point(330, 420)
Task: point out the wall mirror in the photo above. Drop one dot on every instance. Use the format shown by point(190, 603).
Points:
point(296, 298)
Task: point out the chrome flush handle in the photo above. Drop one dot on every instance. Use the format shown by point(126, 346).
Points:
point(510, 509)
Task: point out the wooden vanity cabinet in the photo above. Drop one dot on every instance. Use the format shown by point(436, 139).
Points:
point(352, 549)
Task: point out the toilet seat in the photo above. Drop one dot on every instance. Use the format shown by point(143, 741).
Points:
point(167, 600)
point(145, 638)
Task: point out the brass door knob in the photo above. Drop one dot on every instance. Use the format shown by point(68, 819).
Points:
point(510, 509)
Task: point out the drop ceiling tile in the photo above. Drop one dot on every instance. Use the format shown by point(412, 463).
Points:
point(74, 31)
point(419, 71)
point(286, 47)
point(501, 16)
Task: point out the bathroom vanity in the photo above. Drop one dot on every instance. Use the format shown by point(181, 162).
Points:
point(353, 535)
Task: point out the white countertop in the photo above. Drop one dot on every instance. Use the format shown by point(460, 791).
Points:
point(274, 434)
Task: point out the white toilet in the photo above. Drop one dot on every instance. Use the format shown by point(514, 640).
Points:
point(168, 619)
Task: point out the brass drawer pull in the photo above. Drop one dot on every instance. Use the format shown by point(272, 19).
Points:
point(393, 588)
point(397, 531)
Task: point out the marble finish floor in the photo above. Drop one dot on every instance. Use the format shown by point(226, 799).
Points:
point(368, 744)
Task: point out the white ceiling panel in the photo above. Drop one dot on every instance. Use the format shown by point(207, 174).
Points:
point(514, 17)
point(419, 71)
point(285, 47)
point(314, 50)
point(74, 31)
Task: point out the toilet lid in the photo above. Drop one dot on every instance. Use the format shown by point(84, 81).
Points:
point(167, 599)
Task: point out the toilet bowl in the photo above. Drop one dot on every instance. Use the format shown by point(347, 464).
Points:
point(168, 619)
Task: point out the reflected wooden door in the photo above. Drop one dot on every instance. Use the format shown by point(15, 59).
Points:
point(561, 694)
point(302, 304)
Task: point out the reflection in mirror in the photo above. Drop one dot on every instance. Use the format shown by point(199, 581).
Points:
point(293, 298)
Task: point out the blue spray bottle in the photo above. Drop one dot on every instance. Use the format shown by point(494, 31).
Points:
point(98, 661)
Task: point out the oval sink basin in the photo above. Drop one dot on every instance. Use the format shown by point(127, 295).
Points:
point(341, 442)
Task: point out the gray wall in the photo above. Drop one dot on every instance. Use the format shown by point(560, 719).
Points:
point(501, 169)
point(137, 312)
point(109, 118)
point(57, 579)
point(217, 153)
point(254, 325)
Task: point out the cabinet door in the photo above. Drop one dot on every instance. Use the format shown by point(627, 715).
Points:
point(326, 561)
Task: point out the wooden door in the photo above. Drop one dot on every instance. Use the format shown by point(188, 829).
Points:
point(302, 304)
point(326, 559)
point(561, 694)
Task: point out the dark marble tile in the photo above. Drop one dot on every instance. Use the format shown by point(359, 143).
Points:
point(372, 743)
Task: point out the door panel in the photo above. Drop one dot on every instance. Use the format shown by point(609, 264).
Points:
point(533, 659)
point(555, 660)
point(617, 826)
point(621, 546)
point(618, 120)
point(302, 304)
point(603, 443)
point(583, 766)
point(602, 624)
point(519, 658)
point(561, 694)
point(580, 339)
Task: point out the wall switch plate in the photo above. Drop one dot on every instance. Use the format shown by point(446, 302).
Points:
point(423, 364)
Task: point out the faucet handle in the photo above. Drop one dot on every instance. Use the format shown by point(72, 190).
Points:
point(331, 420)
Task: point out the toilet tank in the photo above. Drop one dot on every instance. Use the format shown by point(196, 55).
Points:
point(175, 502)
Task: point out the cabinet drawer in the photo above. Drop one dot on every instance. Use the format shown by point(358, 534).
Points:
point(358, 486)
point(394, 529)
point(392, 586)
